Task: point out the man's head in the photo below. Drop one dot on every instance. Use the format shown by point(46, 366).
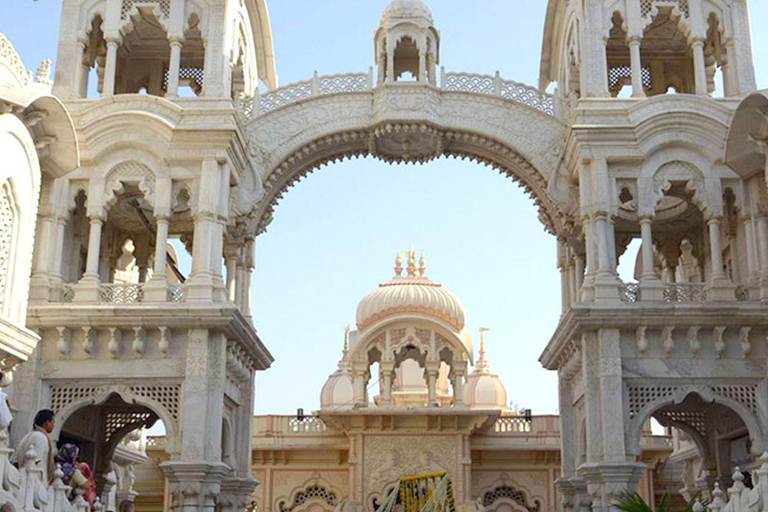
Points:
point(44, 419)
point(125, 506)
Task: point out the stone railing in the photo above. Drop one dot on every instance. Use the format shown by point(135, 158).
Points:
point(176, 293)
point(685, 292)
point(494, 85)
point(316, 86)
point(114, 293)
point(288, 425)
point(491, 85)
point(672, 292)
point(740, 497)
point(67, 292)
point(512, 425)
point(23, 489)
point(630, 292)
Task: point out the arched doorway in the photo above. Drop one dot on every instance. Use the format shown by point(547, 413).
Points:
point(109, 433)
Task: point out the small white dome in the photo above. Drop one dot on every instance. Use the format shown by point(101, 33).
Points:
point(411, 294)
point(338, 392)
point(484, 389)
point(407, 9)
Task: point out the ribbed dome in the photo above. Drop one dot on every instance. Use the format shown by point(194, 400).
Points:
point(412, 294)
point(338, 391)
point(484, 389)
point(406, 9)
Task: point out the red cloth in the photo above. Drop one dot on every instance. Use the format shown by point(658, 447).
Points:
point(90, 492)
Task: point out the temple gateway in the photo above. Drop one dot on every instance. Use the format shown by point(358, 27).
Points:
point(646, 124)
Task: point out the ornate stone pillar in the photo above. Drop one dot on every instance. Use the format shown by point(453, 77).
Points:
point(174, 68)
point(236, 494)
point(359, 371)
point(250, 264)
point(606, 471)
point(762, 242)
point(87, 289)
point(110, 69)
point(637, 68)
point(699, 66)
point(565, 287)
point(390, 61)
point(207, 250)
point(423, 66)
point(387, 376)
point(720, 287)
point(651, 287)
point(40, 286)
point(194, 486)
point(432, 370)
point(587, 290)
point(80, 89)
point(752, 279)
point(606, 278)
point(579, 275)
point(232, 261)
point(459, 370)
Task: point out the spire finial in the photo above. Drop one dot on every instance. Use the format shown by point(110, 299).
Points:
point(346, 339)
point(399, 265)
point(412, 263)
point(483, 330)
point(422, 265)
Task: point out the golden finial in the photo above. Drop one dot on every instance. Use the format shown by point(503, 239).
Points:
point(346, 338)
point(422, 265)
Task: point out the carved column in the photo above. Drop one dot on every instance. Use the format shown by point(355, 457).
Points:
point(390, 61)
point(423, 66)
point(699, 66)
point(110, 69)
point(762, 242)
point(194, 487)
point(459, 370)
point(607, 471)
point(203, 284)
point(651, 287)
point(637, 68)
point(250, 264)
point(720, 287)
point(232, 261)
point(88, 288)
point(174, 68)
point(387, 376)
point(431, 370)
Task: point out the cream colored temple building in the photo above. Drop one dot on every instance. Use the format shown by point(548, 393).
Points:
point(153, 128)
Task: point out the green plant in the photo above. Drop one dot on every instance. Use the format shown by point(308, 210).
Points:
point(633, 502)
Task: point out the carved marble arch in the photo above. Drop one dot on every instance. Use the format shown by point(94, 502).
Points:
point(314, 495)
point(452, 143)
point(504, 495)
point(243, 58)
point(682, 407)
point(129, 173)
point(161, 400)
point(571, 58)
point(8, 231)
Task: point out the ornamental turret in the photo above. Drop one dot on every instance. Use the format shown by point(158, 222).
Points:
point(407, 42)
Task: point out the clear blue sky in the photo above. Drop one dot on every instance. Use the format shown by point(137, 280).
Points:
point(336, 233)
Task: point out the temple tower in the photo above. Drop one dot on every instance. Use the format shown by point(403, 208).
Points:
point(158, 92)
